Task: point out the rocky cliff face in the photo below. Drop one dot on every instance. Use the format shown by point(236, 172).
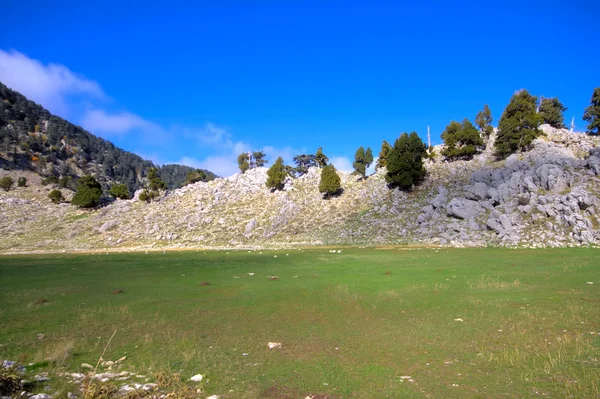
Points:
point(548, 196)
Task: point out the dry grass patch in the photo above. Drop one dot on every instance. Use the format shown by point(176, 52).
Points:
point(485, 282)
point(59, 353)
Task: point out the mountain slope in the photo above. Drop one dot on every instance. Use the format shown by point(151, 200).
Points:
point(548, 196)
point(33, 139)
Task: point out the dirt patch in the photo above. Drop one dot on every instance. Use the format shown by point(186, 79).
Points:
point(118, 292)
point(274, 278)
point(41, 301)
point(387, 272)
point(204, 283)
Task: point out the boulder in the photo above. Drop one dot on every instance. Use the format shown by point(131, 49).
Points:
point(477, 191)
point(463, 208)
point(552, 177)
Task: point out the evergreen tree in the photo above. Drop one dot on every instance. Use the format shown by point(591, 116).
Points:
point(155, 183)
point(592, 114)
point(88, 192)
point(259, 159)
point(321, 158)
point(551, 112)
point(330, 181)
point(276, 175)
point(303, 163)
point(243, 162)
point(359, 162)
point(405, 162)
point(461, 141)
point(368, 157)
point(383, 155)
point(483, 120)
point(56, 196)
point(196, 176)
point(518, 126)
point(22, 182)
point(362, 160)
point(119, 191)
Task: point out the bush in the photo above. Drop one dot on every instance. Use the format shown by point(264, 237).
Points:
point(56, 196)
point(88, 193)
point(22, 182)
point(119, 191)
point(6, 183)
point(461, 140)
point(144, 196)
point(49, 180)
point(64, 181)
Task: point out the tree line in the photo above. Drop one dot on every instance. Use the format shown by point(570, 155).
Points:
point(404, 161)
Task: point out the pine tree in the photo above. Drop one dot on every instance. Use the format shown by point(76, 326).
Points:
point(303, 163)
point(242, 160)
point(518, 126)
point(551, 112)
point(88, 192)
point(330, 181)
point(405, 162)
point(276, 175)
point(259, 159)
point(592, 114)
point(368, 157)
point(321, 158)
point(383, 155)
point(359, 162)
point(362, 160)
point(483, 120)
point(461, 141)
point(155, 183)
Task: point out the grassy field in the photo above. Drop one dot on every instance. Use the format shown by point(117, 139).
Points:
point(472, 323)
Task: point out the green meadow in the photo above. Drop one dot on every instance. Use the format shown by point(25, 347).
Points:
point(363, 323)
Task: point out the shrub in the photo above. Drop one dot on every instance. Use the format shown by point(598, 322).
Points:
point(144, 196)
point(119, 191)
point(49, 180)
point(10, 381)
point(6, 183)
point(88, 193)
point(64, 181)
point(22, 182)
point(56, 196)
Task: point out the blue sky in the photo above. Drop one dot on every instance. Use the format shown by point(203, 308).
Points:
point(198, 82)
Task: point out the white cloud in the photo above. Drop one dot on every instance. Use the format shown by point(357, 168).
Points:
point(48, 85)
point(342, 163)
point(371, 169)
point(221, 165)
point(99, 122)
point(287, 153)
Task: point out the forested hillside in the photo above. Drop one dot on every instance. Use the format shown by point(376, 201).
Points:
point(34, 139)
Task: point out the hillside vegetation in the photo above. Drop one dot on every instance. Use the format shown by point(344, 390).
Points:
point(547, 196)
point(32, 139)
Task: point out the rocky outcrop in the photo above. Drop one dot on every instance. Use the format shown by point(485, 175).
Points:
point(548, 196)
